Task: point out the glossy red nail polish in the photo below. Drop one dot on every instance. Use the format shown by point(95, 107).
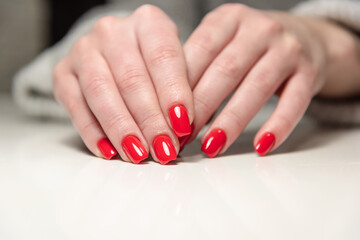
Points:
point(164, 149)
point(134, 149)
point(184, 140)
point(214, 142)
point(265, 144)
point(106, 148)
point(179, 120)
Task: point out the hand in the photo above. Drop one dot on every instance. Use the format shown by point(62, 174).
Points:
point(126, 89)
point(253, 54)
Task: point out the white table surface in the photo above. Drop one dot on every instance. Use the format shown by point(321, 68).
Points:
point(52, 188)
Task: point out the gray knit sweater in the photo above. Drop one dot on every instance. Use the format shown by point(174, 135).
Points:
point(33, 84)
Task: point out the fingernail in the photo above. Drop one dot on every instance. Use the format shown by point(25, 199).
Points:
point(134, 149)
point(106, 148)
point(179, 120)
point(265, 144)
point(184, 140)
point(214, 142)
point(164, 149)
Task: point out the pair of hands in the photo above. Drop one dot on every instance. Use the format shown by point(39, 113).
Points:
point(131, 88)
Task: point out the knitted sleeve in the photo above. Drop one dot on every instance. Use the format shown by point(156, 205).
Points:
point(32, 85)
point(347, 13)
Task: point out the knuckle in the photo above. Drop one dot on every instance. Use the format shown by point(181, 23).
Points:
point(261, 81)
point(173, 28)
point(132, 79)
point(285, 122)
point(227, 66)
point(86, 128)
point(270, 27)
point(149, 10)
point(95, 84)
point(204, 41)
point(202, 104)
point(233, 7)
point(294, 45)
point(117, 122)
point(72, 108)
point(303, 99)
point(150, 117)
point(81, 45)
point(163, 54)
point(226, 9)
point(311, 72)
point(233, 117)
point(210, 17)
point(105, 24)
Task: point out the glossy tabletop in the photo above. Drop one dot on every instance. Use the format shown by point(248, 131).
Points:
point(52, 188)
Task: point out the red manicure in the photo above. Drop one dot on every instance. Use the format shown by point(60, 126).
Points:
point(164, 149)
point(265, 144)
point(214, 142)
point(134, 149)
point(106, 148)
point(184, 140)
point(179, 120)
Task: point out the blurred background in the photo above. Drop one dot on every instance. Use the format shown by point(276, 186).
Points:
point(29, 26)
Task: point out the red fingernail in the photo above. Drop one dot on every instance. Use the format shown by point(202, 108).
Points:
point(184, 140)
point(179, 120)
point(164, 149)
point(134, 149)
point(214, 142)
point(265, 144)
point(106, 148)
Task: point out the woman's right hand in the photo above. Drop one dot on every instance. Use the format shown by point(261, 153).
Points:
point(125, 87)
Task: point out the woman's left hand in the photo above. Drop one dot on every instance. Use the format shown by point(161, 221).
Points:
point(254, 54)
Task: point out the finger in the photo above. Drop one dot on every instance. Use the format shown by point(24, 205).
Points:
point(224, 75)
point(104, 100)
point(163, 55)
point(68, 93)
point(214, 32)
point(137, 91)
point(292, 105)
point(255, 90)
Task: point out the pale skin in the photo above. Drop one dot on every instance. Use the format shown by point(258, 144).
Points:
point(123, 76)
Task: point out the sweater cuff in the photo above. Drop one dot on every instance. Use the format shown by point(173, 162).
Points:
point(344, 12)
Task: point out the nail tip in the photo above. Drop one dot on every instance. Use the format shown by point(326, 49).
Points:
point(265, 144)
point(182, 134)
point(138, 161)
point(166, 161)
point(110, 158)
point(106, 149)
point(164, 149)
